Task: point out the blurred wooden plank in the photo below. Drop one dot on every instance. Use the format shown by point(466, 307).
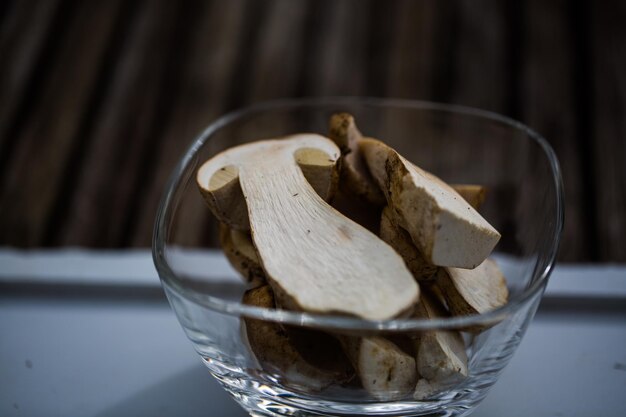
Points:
point(549, 107)
point(608, 46)
point(19, 48)
point(42, 147)
point(276, 58)
point(413, 48)
point(127, 129)
point(23, 61)
point(6, 7)
point(201, 99)
point(85, 164)
point(379, 33)
point(103, 79)
point(479, 61)
point(141, 168)
point(247, 40)
point(335, 61)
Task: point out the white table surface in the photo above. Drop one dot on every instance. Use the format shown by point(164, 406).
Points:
point(125, 356)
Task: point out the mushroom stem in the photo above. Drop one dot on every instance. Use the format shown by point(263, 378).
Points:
point(281, 352)
point(386, 372)
point(316, 258)
point(401, 242)
point(443, 226)
point(473, 291)
point(441, 356)
point(241, 254)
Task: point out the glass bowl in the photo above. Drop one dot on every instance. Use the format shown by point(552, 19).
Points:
point(460, 145)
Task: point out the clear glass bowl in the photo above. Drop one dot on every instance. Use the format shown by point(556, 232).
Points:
point(460, 145)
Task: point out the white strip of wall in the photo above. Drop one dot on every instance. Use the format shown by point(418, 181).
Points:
point(135, 267)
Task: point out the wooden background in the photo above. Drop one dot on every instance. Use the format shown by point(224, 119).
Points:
point(98, 99)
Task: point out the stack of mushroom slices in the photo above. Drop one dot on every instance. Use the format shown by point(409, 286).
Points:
point(346, 225)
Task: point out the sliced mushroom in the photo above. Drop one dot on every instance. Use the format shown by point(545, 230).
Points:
point(441, 356)
point(224, 197)
point(223, 194)
point(401, 242)
point(424, 389)
point(355, 177)
point(386, 372)
point(317, 259)
point(443, 226)
point(473, 291)
point(240, 252)
point(315, 165)
point(474, 194)
point(289, 354)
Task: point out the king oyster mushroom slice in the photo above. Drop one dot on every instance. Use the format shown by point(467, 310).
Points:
point(443, 226)
point(473, 291)
point(474, 194)
point(315, 258)
point(355, 176)
point(278, 352)
point(240, 252)
point(386, 372)
point(223, 193)
point(441, 356)
point(400, 240)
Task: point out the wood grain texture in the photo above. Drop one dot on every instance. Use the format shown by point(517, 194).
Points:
point(333, 57)
point(124, 133)
point(478, 56)
point(279, 51)
point(51, 129)
point(98, 101)
point(206, 79)
point(608, 46)
point(22, 52)
point(549, 106)
point(334, 60)
point(413, 47)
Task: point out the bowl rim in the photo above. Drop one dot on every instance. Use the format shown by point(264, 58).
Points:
point(541, 272)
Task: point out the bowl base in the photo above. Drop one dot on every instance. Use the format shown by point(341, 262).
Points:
point(269, 399)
